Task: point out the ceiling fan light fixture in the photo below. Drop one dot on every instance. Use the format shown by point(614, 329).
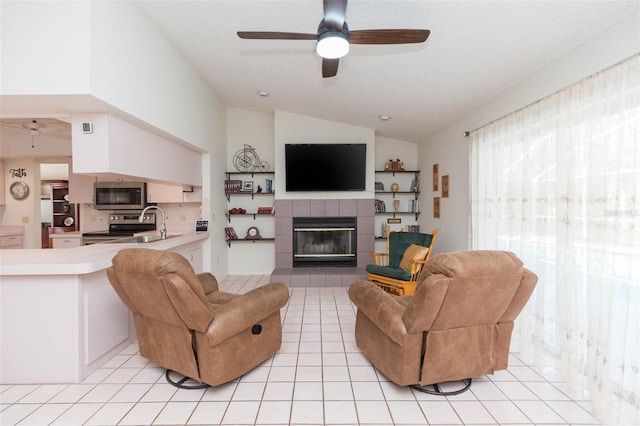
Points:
point(332, 45)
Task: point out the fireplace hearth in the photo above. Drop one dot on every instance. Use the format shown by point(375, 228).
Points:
point(324, 241)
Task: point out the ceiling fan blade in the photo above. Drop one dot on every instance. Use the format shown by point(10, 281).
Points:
point(334, 12)
point(329, 67)
point(398, 36)
point(275, 35)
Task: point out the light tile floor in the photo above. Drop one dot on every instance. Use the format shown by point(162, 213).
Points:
point(319, 376)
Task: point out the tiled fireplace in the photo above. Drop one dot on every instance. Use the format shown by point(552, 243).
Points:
point(333, 244)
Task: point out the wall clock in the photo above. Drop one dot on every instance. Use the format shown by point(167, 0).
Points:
point(253, 234)
point(19, 190)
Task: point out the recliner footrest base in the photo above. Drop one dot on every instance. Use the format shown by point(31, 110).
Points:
point(437, 391)
point(180, 383)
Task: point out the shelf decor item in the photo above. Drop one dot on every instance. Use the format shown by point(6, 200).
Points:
point(392, 165)
point(379, 206)
point(231, 233)
point(395, 187)
point(253, 234)
point(247, 186)
point(247, 160)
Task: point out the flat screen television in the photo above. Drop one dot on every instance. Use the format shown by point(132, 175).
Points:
point(325, 167)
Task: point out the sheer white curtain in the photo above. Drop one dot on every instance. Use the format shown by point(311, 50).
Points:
point(558, 183)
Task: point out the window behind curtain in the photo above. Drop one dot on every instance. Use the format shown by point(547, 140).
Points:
point(558, 183)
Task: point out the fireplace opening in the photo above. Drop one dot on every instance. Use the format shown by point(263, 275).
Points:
point(324, 241)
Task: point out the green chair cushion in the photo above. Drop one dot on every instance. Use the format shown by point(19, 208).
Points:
point(400, 241)
point(389, 271)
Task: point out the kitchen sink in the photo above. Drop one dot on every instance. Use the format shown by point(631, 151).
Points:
point(141, 239)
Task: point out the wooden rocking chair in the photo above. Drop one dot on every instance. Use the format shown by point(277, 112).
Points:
point(397, 270)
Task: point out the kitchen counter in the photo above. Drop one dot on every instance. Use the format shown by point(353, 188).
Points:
point(79, 260)
point(60, 319)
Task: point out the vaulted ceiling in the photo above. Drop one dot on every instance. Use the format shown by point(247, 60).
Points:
point(476, 50)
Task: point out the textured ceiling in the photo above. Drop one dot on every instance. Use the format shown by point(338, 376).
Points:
point(476, 50)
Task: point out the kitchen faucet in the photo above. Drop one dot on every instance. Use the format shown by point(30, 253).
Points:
point(163, 226)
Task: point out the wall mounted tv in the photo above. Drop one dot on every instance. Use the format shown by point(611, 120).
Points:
point(325, 167)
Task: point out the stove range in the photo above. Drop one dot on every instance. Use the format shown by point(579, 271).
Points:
point(121, 224)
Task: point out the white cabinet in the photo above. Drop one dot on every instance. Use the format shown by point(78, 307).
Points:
point(66, 241)
point(81, 188)
point(11, 242)
point(163, 193)
point(193, 253)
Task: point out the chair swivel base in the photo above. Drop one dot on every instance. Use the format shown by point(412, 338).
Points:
point(437, 391)
point(180, 383)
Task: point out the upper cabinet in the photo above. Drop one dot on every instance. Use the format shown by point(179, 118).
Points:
point(81, 188)
point(164, 193)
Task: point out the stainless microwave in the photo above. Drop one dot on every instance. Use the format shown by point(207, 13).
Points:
point(120, 195)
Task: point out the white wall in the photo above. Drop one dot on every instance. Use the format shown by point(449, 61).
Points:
point(107, 54)
point(450, 149)
point(27, 211)
point(45, 48)
point(255, 129)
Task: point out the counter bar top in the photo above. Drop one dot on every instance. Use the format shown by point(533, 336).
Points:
point(79, 260)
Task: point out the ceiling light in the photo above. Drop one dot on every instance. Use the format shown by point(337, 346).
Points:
point(384, 117)
point(263, 94)
point(332, 44)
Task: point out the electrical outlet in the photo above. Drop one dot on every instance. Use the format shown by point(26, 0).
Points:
point(182, 218)
point(25, 219)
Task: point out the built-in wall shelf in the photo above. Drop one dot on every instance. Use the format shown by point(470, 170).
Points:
point(238, 184)
point(405, 196)
point(245, 185)
point(248, 240)
point(248, 214)
point(416, 173)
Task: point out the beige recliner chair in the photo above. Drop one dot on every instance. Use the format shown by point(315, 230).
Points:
point(456, 326)
point(185, 324)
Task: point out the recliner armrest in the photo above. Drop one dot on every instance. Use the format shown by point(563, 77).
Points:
point(382, 309)
point(208, 282)
point(246, 310)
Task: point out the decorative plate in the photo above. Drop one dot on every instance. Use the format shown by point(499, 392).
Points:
point(68, 221)
point(19, 190)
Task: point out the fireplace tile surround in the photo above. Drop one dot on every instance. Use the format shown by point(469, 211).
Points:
point(286, 210)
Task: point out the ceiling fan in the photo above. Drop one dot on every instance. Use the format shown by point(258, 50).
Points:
point(34, 127)
point(333, 36)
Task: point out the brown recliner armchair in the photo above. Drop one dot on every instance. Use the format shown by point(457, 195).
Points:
point(456, 326)
point(185, 324)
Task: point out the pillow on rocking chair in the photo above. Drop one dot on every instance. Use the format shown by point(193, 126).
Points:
point(413, 252)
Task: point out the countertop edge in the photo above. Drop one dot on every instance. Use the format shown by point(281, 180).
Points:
point(78, 260)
